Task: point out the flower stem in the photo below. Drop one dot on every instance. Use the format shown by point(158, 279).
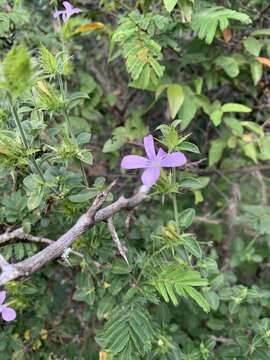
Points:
point(25, 143)
point(176, 213)
point(69, 128)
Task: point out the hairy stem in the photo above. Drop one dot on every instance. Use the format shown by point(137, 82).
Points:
point(26, 145)
point(69, 128)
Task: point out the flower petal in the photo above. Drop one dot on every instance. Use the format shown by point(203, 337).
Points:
point(134, 162)
point(3, 295)
point(149, 147)
point(67, 5)
point(76, 10)
point(150, 176)
point(161, 154)
point(173, 160)
point(57, 13)
point(8, 314)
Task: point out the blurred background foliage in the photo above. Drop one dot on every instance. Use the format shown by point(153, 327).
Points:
point(74, 99)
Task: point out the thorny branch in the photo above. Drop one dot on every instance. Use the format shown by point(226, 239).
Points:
point(121, 248)
point(93, 216)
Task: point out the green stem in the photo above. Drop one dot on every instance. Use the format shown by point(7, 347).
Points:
point(25, 143)
point(69, 128)
point(176, 213)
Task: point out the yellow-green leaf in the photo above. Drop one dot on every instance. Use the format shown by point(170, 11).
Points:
point(176, 97)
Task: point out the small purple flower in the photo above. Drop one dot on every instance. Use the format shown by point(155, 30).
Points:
point(66, 14)
point(153, 163)
point(8, 314)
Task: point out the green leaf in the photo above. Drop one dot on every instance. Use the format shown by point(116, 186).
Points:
point(216, 150)
point(128, 333)
point(198, 298)
point(252, 45)
point(170, 4)
point(265, 148)
point(250, 151)
point(229, 65)
point(257, 129)
point(83, 196)
point(120, 267)
point(17, 70)
point(186, 218)
point(216, 117)
point(256, 69)
point(190, 147)
point(48, 61)
point(176, 97)
point(34, 200)
point(207, 21)
point(190, 183)
point(212, 299)
point(261, 32)
point(86, 157)
point(192, 245)
point(234, 125)
point(235, 107)
point(188, 108)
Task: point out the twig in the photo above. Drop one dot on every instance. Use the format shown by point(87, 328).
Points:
point(89, 219)
point(20, 234)
point(121, 248)
point(202, 219)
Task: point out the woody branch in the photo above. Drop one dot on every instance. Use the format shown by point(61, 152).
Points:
point(93, 216)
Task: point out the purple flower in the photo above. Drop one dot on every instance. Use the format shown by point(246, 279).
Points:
point(8, 314)
point(66, 14)
point(154, 162)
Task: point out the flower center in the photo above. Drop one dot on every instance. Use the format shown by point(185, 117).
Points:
point(156, 164)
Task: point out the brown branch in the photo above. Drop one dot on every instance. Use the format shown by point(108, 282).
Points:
point(89, 219)
point(20, 234)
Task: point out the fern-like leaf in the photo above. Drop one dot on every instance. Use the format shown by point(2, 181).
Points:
point(128, 334)
point(207, 21)
point(174, 279)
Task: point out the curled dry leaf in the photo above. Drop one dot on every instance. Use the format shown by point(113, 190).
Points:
point(263, 61)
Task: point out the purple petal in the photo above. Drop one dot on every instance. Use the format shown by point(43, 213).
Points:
point(57, 13)
point(134, 162)
point(3, 295)
point(8, 314)
point(149, 147)
point(161, 154)
point(67, 5)
point(76, 10)
point(173, 160)
point(150, 176)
